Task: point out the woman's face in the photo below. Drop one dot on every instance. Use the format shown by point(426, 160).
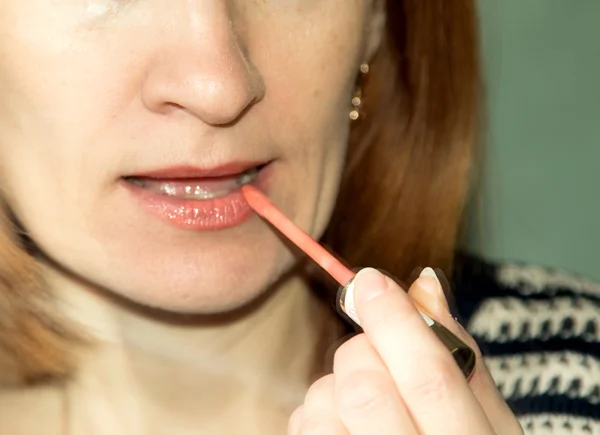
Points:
point(125, 127)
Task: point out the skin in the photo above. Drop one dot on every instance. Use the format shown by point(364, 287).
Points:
point(96, 90)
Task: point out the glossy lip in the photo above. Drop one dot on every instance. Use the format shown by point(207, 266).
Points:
point(203, 215)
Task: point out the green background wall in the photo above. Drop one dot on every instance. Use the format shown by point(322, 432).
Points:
point(541, 186)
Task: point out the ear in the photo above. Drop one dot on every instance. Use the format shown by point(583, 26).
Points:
point(375, 28)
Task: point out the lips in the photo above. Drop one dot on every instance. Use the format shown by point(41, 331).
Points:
point(198, 198)
point(196, 188)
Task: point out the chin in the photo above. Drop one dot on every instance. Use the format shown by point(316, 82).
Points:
point(216, 287)
point(202, 273)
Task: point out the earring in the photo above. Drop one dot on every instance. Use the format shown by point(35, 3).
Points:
point(357, 111)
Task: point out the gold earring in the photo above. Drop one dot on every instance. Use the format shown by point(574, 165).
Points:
point(357, 111)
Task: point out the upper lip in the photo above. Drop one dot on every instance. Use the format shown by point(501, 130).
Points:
point(186, 171)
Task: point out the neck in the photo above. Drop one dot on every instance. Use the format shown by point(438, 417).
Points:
point(149, 373)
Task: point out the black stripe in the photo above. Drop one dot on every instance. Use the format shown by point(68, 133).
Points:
point(558, 404)
point(554, 344)
point(508, 292)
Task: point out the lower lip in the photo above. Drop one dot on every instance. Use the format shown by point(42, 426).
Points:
point(208, 214)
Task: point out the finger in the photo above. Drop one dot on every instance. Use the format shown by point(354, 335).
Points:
point(432, 386)
point(319, 413)
point(320, 397)
point(322, 424)
point(367, 399)
point(428, 295)
point(295, 421)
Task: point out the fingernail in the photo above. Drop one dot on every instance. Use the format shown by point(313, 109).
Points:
point(429, 281)
point(369, 283)
point(366, 285)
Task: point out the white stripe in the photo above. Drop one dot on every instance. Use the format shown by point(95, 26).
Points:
point(493, 313)
point(559, 425)
point(529, 279)
point(566, 366)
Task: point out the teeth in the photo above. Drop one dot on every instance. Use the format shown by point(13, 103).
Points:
point(248, 176)
point(198, 190)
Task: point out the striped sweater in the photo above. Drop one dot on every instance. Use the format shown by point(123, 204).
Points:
point(539, 331)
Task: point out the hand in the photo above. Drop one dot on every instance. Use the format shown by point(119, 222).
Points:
point(397, 377)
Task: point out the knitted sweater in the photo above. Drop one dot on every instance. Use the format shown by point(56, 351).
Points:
point(539, 331)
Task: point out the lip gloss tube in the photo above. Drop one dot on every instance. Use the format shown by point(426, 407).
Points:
point(463, 355)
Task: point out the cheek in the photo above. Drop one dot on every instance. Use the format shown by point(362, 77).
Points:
point(309, 100)
point(61, 143)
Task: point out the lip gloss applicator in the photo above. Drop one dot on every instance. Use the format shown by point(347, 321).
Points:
point(463, 354)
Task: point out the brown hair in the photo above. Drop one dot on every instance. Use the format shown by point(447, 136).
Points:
point(402, 194)
point(407, 176)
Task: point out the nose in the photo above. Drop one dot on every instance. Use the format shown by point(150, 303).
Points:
point(201, 67)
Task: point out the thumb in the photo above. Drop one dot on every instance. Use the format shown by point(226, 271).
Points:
point(428, 293)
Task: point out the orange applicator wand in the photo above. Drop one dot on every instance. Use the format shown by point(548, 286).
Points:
point(463, 354)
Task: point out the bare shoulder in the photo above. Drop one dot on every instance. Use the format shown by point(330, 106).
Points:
point(30, 411)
